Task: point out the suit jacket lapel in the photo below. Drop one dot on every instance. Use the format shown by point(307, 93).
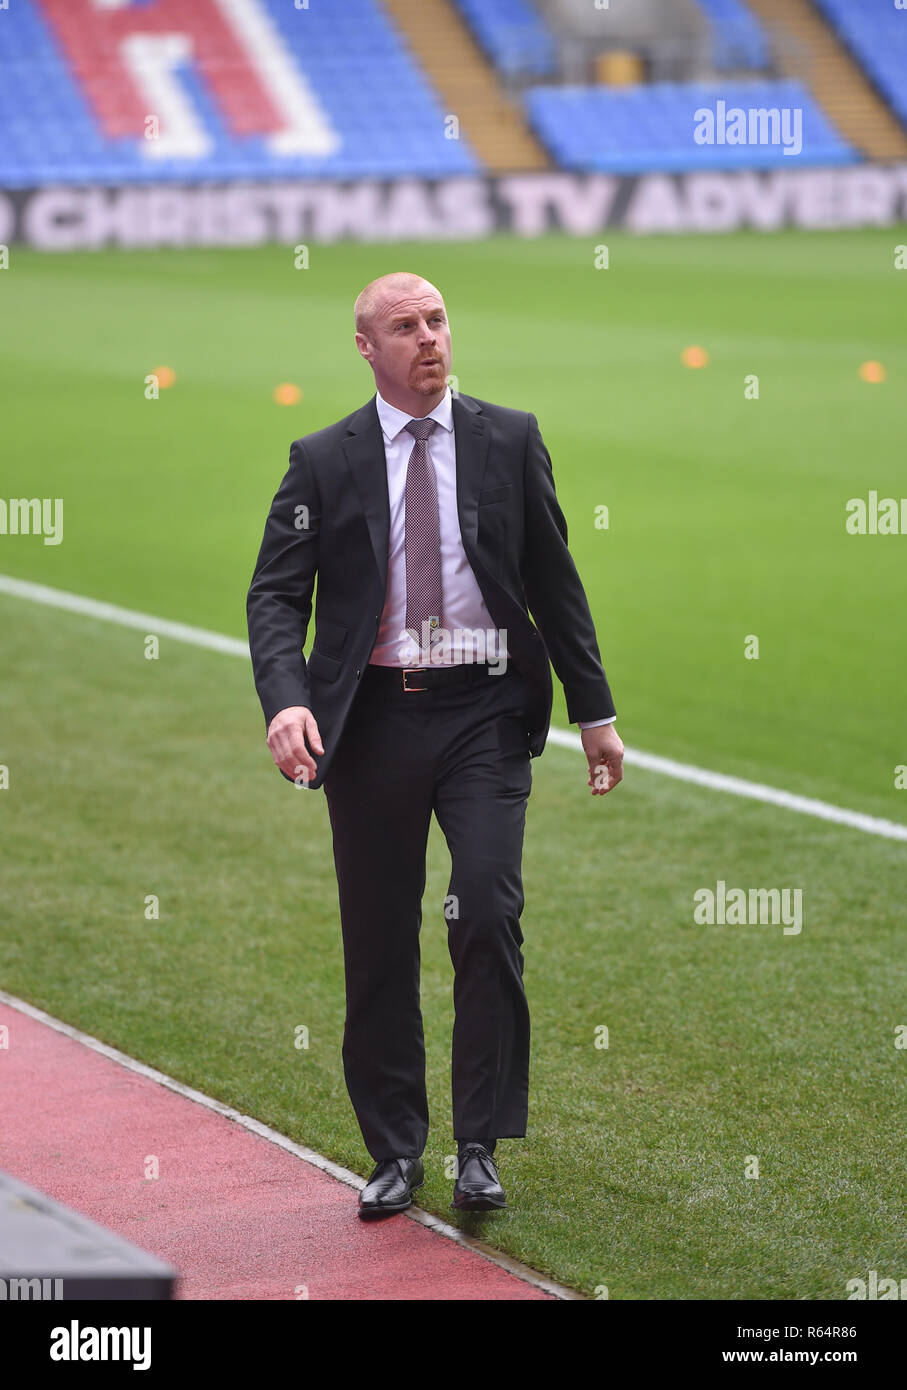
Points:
point(472, 438)
point(364, 451)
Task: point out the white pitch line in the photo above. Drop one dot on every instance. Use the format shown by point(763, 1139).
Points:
point(755, 791)
point(634, 757)
point(125, 617)
point(317, 1160)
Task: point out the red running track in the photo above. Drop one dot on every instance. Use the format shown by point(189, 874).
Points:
point(237, 1216)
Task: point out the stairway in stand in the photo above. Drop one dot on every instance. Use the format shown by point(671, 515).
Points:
point(807, 48)
point(468, 85)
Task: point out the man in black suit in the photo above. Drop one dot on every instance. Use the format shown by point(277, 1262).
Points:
point(432, 524)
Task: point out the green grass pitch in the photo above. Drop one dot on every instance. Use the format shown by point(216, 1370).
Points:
point(131, 777)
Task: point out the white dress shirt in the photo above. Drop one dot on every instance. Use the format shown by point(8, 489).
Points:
point(464, 608)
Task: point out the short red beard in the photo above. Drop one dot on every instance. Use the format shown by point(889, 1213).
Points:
point(426, 383)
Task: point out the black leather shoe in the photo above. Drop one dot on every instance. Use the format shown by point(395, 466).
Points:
point(391, 1187)
point(477, 1187)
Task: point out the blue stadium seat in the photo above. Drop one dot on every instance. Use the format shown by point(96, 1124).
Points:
point(388, 118)
point(876, 33)
point(634, 130)
point(513, 35)
point(738, 38)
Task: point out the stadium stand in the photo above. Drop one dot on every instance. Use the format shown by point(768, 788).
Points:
point(513, 35)
point(876, 33)
point(646, 128)
point(74, 95)
point(257, 89)
point(738, 39)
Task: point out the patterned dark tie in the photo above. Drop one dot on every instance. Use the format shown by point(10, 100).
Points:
point(422, 535)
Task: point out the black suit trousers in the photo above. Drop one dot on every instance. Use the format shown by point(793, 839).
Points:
point(461, 752)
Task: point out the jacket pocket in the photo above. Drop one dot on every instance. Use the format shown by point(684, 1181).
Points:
point(329, 637)
point(495, 494)
point(323, 667)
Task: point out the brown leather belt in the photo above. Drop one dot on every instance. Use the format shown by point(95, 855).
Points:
point(413, 679)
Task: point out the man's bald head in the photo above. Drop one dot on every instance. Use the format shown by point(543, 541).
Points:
point(403, 334)
point(378, 293)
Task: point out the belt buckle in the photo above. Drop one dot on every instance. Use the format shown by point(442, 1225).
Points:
point(413, 671)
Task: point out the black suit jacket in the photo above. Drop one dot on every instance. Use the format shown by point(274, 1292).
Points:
point(331, 518)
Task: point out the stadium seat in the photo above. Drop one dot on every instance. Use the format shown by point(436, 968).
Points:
point(514, 36)
point(639, 129)
point(738, 38)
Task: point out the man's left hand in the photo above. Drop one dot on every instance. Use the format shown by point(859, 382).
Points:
point(605, 752)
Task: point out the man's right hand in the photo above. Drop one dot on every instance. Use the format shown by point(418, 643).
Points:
point(289, 732)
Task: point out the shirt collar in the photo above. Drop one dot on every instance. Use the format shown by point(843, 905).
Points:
point(394, 420)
